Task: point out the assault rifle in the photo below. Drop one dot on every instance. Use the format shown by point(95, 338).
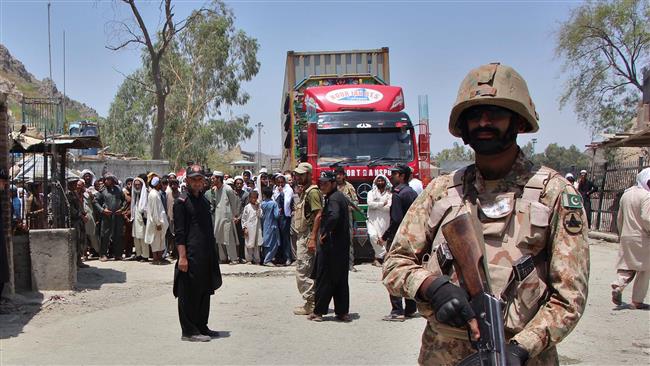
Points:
point(466, 249)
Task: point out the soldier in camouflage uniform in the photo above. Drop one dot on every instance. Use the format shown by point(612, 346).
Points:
point(526, 213)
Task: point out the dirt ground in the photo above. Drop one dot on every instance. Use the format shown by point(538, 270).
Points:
point(124, 313)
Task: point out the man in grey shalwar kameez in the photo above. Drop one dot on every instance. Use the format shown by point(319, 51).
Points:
point(224, 203)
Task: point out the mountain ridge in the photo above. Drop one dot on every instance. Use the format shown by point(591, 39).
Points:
point(18, 82)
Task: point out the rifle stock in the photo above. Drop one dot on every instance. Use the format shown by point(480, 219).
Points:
point(465, 245)
point(462, 241)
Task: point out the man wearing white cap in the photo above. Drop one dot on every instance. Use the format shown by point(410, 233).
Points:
point(157, 222)
point(586, 188)
point(634, 252)
point(224, 205)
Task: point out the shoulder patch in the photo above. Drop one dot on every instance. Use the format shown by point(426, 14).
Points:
point(572, 222)
point(571, 200)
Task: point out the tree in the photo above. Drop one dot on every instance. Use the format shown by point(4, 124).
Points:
point(127, 128)
point(206, 64)
point(603, 45)
point(456, 153)
point(155, 49)
point(204, 67)
point(561, 158)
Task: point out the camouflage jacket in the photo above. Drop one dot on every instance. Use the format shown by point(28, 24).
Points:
point(563, 241)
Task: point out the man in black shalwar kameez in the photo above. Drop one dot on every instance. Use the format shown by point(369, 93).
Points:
point(197, 272)
point(333, 253)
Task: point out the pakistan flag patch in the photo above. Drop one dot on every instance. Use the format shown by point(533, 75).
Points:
point(571, 200)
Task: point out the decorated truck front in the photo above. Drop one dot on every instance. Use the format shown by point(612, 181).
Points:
point(362, 129)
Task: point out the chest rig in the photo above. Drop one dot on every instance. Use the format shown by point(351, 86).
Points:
point(515, 226)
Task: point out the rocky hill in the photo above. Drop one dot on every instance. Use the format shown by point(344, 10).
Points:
point(18, 82)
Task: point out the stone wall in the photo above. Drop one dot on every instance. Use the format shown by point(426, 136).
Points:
point(122, 168)
point(53, 255)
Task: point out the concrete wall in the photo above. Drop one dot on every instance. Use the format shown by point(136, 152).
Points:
point(122, 168)
point(53, 254)
point(22, 263)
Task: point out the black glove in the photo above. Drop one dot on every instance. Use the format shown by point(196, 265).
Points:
point(450, 302)
point(515, 354)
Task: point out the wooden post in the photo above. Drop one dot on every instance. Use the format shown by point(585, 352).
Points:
point(4, 196)
point(602, 194)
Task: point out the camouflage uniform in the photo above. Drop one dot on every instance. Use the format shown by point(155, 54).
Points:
point(541, 309)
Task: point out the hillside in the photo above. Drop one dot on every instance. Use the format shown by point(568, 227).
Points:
point(18, 82)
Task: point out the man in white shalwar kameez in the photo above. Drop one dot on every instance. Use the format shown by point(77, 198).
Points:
point(138, 209)
point(157, 223)
point(379, 200)
point(634, 251)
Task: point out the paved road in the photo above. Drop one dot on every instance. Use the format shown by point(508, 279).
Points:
point(126, 314)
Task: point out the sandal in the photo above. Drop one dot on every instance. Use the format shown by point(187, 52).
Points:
point(394, 318)
point(315, 317)
point(617, 297)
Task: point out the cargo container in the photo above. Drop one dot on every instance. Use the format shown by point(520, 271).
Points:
point(338, 110)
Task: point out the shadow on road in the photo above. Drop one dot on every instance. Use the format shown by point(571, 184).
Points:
point(16, 312)
point(93, 278)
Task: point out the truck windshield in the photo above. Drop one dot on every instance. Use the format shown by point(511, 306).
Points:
point(359, 145)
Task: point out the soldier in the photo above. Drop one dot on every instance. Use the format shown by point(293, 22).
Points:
point(306, 222)
point(110, 202)
point(197, 274)
point(529, 216)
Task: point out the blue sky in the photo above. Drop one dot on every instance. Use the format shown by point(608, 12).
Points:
point(432, 46)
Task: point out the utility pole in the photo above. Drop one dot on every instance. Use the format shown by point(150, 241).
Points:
point(49, 45)
point(259, 126)
point(64, 119)
point(534, 142)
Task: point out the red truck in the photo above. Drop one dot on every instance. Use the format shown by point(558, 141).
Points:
point(343, 113)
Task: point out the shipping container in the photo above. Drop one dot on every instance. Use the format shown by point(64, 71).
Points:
point(306, 69)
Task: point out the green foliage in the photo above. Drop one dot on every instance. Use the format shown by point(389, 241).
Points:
point(604, 44)
point(204, 67)
point(561, 158)
point(457, 152)
point(128, 126)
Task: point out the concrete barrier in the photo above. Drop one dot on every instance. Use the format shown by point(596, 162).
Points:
point(53, 254)
point(22, 263)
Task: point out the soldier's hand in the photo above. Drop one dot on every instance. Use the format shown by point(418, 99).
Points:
point(311, 245)
point(450, 302)
point(183, 266)
point(107, 212)
point(515, 354)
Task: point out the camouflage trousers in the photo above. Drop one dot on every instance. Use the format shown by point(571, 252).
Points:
point(304, 268)
point(437, 349)
point(640, 287)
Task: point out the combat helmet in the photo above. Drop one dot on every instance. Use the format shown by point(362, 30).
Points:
point(494, 84)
